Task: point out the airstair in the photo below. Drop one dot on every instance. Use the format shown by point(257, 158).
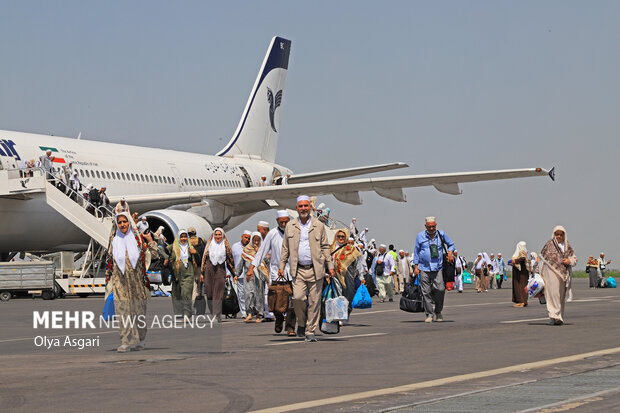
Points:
point(95, 222)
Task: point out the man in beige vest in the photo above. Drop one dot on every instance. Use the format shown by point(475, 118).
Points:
point(306, 248)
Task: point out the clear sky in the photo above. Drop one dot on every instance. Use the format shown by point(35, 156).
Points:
point(443, 86)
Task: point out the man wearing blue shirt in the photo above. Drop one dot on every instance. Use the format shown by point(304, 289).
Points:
point(427, 261)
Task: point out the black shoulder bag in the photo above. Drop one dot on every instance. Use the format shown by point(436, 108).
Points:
point(448, 269)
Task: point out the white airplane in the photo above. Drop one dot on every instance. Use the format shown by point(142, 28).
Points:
point(182, 189)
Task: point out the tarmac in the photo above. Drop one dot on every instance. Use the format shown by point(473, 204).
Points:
point(485, 357)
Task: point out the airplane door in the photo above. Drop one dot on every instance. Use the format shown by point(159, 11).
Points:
point(177, 177)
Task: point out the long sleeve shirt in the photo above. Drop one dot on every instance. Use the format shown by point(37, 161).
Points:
point(422, 251)
point(389, 266)
point(501, 265)
point(272, 244)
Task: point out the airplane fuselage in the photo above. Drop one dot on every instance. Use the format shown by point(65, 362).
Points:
point(124, 170)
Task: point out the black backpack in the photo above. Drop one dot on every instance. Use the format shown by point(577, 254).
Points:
point(380, 268)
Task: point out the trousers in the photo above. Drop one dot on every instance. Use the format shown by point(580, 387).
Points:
point(433, 291)
point(305, 284)
point(385, 283)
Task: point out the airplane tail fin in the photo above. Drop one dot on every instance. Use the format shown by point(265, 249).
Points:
point(256, 136)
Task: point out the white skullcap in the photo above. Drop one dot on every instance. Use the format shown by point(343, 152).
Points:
point(263, 224)
point(455, 250)
point(430, 219)
point(246, 232)
point(372, 240)
point(480, 254)
point(143, 218)
point(122, 198)
point(303, 198)
point(353, 219)
point(283, 213)
point(499, 253)
point(351, 239)
point(365, 229)
point(401, 251)
point(383, 246)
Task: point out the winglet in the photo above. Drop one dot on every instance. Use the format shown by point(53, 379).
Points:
point(552, 174)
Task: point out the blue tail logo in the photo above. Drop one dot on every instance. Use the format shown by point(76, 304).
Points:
point(273, 105)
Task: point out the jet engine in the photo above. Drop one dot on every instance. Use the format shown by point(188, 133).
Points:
point(173, 220)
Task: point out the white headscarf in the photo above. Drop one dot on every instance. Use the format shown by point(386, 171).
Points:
point(184, 248)
point(125, 244)
point(562, 246)
point(217, 250)
point(520, 251)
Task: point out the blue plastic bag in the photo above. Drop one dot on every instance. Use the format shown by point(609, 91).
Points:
point(108, 308)
point(362, 299)
point(611, 282)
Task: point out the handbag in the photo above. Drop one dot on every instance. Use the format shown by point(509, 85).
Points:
point(200, 304)
point(329, 291)
point(362, 298)
point(278, 296)
point(411, 300)
point(108, 307)
point(230, 304)
point(448, 269)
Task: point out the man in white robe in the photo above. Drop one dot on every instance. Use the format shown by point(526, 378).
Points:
point(272, 245)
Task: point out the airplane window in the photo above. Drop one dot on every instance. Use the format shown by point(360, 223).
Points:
point(141, 178)
point(185, 181)
point(108, 174)
point(161, 180)
point(86, 173)
point(195, 182)
point(98, 176)
point(133, 178)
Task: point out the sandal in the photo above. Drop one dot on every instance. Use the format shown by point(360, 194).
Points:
point(248, 318)
point(291, 333)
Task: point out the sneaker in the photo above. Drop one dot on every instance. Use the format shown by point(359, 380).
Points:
point(140, 346)
point(311, 338)
point(438, 317)
point(301, 331)
point(429, 319)
point(123, 349)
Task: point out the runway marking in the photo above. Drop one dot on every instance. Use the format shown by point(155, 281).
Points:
point(375, 312)
point(572, 403)
point(284, 343)
point(524, 321)
point(454, 396)
point(437, 382)
point(477, 304)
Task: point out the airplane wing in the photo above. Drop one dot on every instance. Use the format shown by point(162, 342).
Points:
point(254, 199)
point(343, 173)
